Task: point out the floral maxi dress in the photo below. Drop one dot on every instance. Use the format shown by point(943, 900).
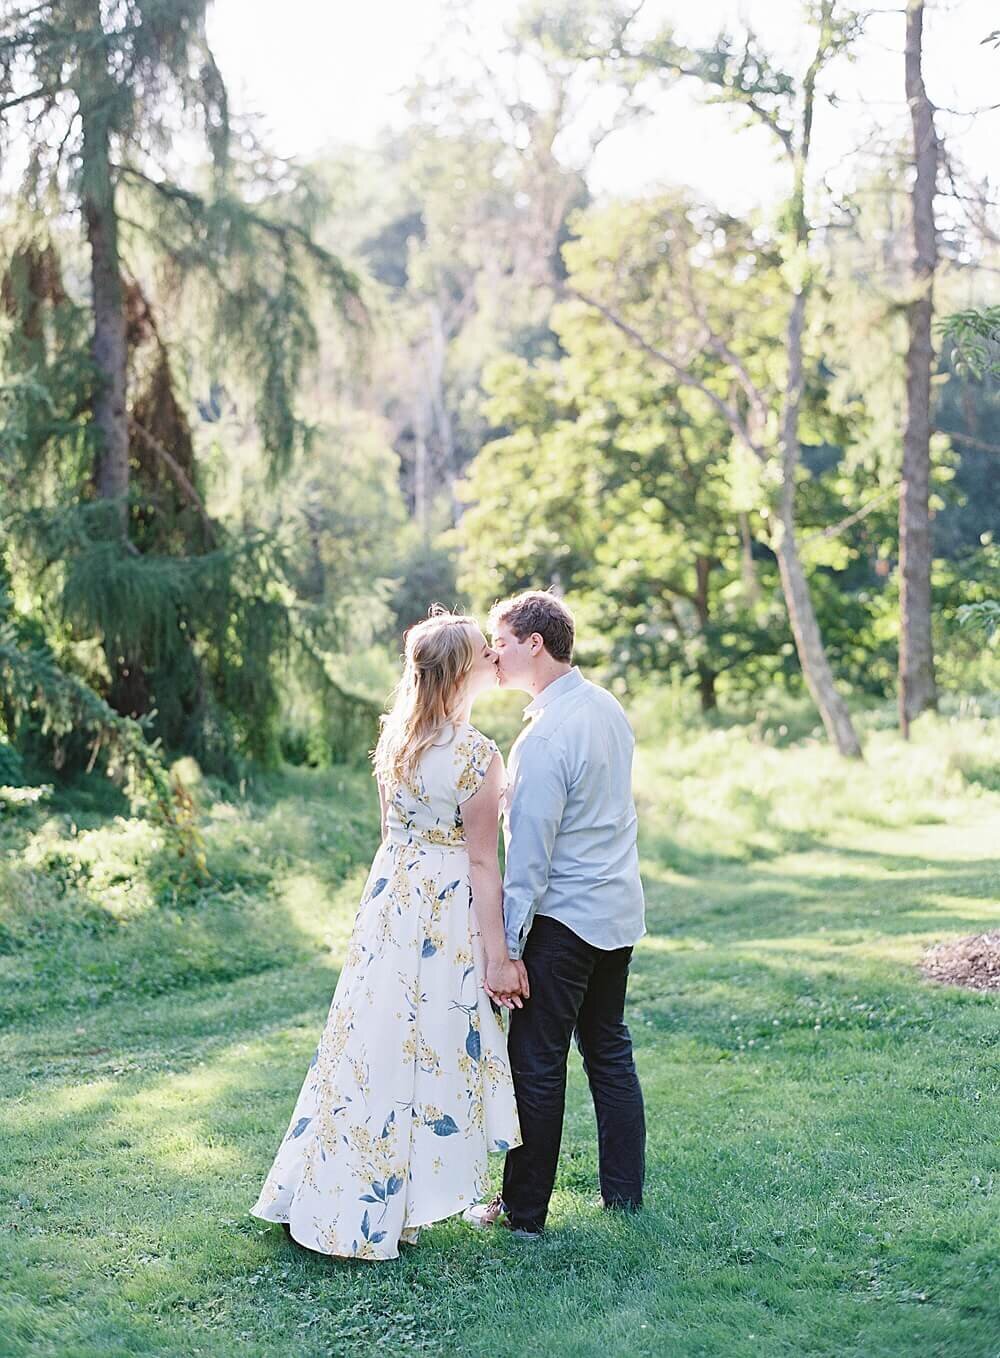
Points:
point(410, 1085)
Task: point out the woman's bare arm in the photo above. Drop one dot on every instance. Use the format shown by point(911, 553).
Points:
point(481, 817)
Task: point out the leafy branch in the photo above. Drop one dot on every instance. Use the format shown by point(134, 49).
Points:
point(975, 339)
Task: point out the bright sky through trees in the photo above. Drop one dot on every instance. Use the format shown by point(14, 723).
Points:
point(332, 73)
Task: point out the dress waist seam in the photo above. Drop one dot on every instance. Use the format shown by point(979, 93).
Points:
point(426, 844)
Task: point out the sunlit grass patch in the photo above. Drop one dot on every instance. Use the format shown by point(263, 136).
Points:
point(823, 1124)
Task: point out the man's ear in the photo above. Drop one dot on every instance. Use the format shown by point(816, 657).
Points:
point(537, 643)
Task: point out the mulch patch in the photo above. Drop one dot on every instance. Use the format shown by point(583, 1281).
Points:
point(973, 962)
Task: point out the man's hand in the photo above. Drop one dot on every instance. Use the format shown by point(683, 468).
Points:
point(507, 983)
point(522, 972)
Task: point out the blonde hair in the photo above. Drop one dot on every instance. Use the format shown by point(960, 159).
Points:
point(439, 655)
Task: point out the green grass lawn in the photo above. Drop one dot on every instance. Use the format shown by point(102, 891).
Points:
point(824, 1126)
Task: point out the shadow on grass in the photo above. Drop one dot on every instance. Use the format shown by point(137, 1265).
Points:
point(280, 876)
point(823, 1136)
point(802, 1195)
point(885, 893)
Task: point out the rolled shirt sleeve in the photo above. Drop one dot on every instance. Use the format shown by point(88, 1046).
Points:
point(536, 802)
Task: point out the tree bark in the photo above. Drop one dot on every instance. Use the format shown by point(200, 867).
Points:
point(801, 614)
point(917, 686)
point(96, 95)
point(109, 348)
point(748, 571)
point(706, 674)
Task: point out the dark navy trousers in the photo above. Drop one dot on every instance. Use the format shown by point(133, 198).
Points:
point(578, 991)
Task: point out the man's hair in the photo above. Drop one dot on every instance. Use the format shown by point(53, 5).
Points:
point(537, 610)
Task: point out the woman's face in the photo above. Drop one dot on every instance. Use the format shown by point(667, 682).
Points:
point(483, 674)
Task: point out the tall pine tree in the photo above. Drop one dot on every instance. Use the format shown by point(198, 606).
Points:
point(97, 95)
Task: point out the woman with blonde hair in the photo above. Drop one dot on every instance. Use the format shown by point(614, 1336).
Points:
point(410, 1085)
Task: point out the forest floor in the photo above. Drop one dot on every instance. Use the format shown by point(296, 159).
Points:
point(824, 1123)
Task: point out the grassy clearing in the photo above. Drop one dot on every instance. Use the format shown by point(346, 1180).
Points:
point(824, 1126)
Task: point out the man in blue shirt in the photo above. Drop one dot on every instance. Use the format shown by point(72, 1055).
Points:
point(573, 909)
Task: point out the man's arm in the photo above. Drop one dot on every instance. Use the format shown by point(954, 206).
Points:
point(537, 802)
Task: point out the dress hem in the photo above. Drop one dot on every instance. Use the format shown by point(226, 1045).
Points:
point(378, 1259)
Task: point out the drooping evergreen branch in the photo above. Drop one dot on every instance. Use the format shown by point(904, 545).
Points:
point(981, 617)
point(202, 210)
point(34, 684)
point(262, 270)
point(180, 477)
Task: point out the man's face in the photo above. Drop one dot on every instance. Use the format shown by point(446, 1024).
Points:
point(514, 658)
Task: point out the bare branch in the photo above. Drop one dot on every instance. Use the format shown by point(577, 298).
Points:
point(184, 484)
point(682, 373)
point(981, 444)
point(835, 529)
point(42, 92)
point(718, 346)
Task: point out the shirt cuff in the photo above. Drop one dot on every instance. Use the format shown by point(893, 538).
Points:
point(515, 943)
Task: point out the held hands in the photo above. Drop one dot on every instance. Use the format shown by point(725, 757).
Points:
point(507, 983)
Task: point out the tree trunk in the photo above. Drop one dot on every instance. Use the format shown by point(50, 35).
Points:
point(96, 96)
point(748, 571)
point(917, 687)
point(706, 674)
point(811, 652)
point(439, 403)
point(801, 614)
point(96, 99)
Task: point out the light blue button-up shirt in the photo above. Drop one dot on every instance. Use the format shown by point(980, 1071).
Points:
point(569, 819)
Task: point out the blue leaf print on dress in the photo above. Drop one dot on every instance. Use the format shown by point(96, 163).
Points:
point(444, 1126)
point(419, 912)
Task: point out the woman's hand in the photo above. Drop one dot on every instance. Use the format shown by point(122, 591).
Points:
point(507, 983)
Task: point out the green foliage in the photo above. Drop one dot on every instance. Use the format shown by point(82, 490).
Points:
point(35, 688)
point(11, 765)
point(427, 573)
point(281, 528)
point(621, 484)
point(974, 336)
point(253, 279)
point(982, 617)
point(188, 621)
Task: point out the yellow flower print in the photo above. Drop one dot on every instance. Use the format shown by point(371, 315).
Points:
point(410, 1085)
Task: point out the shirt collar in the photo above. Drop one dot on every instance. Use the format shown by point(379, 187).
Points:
point(557, 689)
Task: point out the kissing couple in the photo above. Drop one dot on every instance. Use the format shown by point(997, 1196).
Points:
point(414, 1079)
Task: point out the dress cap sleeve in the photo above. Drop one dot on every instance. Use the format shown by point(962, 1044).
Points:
point(474, 753)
